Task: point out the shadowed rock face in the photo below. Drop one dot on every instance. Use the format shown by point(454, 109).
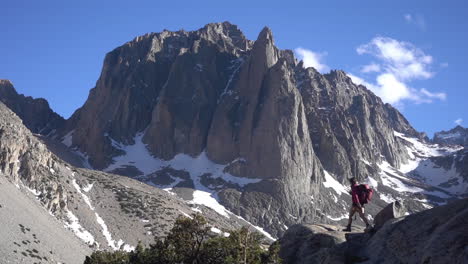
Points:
point(168, 80)
point(246, 104)
point(437, 235)
point(35, 113)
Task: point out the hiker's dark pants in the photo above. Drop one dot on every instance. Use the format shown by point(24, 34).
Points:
point(355, 209)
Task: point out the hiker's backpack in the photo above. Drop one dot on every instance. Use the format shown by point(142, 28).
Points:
point(364, 193)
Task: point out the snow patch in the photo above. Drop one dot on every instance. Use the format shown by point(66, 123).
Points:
point(215, 230)
point(386, 197)
point(105, 230)
point(205, 198)
point(137, 155)
point(185, 214)
point(33, 191)
point(330, 182)
point(449, 180)
point(68, 139)
point(261, 230)
point(391, 177)
point(88, 188)
point(84, 196)
point(74, 224)
point(197, 210)
point(337, 218)
point(372, 182)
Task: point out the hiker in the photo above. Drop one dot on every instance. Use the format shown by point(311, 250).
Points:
point(357, 206)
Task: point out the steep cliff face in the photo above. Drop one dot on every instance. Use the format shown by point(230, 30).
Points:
point(349, 125)
point(260, 129)
point(35, 113)
point(169, 80)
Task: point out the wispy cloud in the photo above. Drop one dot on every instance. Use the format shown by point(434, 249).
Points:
point(373, 67)
point(458, 121)
point(444, 65)
point(312, 59)
point(417, 20)
point(399, 63)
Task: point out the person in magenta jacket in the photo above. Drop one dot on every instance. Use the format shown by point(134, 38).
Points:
point(356, 206)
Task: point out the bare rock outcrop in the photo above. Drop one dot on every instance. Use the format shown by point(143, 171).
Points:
point(312, 244)
point(391, 211)
point(436, 235)
point(25, 160)
point(35, 113)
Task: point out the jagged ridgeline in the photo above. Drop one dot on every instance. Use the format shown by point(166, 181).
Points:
point(239, 130)
point(244, 104)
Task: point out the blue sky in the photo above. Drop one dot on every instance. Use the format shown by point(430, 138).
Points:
point(411, 53)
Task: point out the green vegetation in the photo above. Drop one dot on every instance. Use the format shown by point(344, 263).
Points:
point(190, 242)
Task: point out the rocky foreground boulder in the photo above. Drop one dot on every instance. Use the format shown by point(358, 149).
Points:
point(315, 243)
point(391, 211)
point(438, 235)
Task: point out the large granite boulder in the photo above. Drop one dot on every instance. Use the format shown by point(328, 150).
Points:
point(312, 244)
point(438, 235)
point(391, 211)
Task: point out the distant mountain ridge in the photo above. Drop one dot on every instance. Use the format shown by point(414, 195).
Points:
point(35, 113)
point(455, 136)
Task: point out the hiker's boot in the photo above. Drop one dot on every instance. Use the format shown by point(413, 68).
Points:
point(347, 229)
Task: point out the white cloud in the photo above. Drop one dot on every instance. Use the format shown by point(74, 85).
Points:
point(417, 20)
point(444, 65)
point(400, 62)
point(373, 67)
point(401, 58)
point(458, 121)
point(312, 59)
point(440, 96)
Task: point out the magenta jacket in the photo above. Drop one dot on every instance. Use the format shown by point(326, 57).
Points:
point(354, 195)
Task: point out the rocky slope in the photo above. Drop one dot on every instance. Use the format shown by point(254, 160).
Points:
point(437, 235)
point(35, 113)
point(45, 200)
point(455, 136)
